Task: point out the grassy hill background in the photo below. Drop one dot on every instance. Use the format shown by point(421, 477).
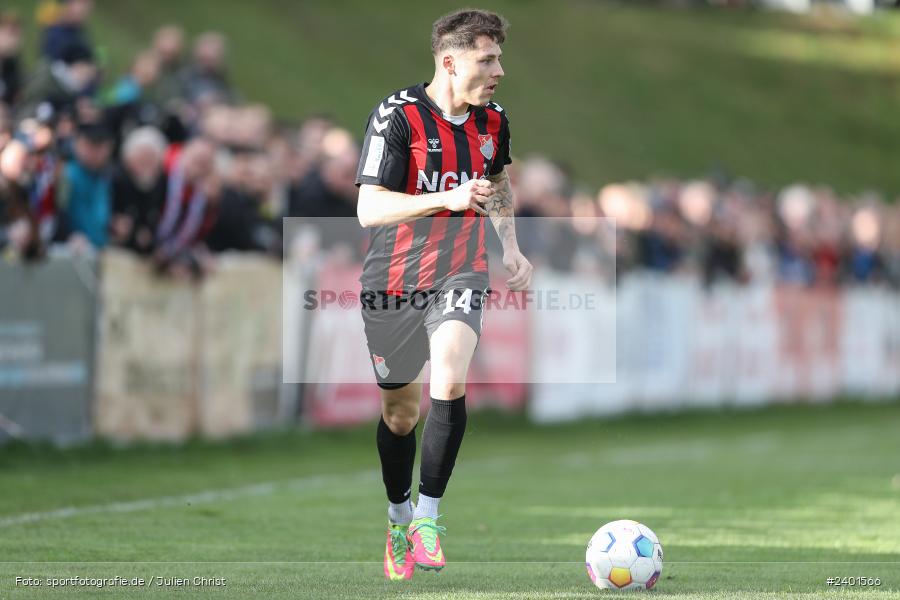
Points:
point(615, 91)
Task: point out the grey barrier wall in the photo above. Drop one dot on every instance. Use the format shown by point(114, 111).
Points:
point(47, 320)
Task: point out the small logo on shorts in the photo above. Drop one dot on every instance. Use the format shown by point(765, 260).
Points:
point(380, 366)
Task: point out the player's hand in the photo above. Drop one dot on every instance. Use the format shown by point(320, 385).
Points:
point(520, 269)
point(470, 195)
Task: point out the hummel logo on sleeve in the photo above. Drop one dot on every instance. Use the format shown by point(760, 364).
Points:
point(384, 110)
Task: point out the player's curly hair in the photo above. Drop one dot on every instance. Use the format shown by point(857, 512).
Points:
point(462, 28)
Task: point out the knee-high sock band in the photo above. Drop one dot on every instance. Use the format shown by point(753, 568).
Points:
point(398, 454)
point(441, 439)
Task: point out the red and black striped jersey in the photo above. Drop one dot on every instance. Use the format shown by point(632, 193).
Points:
point(411, 148)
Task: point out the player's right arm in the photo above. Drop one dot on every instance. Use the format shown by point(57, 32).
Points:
point(380, 206)
point(383, 168)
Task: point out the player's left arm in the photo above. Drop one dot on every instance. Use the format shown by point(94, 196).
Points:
point(501, 209)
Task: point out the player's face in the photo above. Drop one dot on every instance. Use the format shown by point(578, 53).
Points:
point(478, 71)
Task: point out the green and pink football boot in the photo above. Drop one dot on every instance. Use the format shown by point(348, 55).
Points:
point(398, 559)
point(425, 543)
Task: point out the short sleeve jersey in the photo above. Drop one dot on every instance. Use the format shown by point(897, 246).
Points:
point(411, 148)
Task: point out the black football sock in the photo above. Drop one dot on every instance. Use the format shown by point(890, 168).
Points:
point(398, 454)
point(441, 439)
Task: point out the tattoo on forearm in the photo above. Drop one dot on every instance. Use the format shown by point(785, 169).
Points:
point(500, 208)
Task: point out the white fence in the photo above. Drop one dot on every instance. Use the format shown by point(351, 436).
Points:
point(680, 346)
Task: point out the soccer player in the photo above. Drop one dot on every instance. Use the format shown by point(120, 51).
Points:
point(432, 167)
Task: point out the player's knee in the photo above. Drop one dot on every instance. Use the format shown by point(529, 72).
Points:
point(401, 424)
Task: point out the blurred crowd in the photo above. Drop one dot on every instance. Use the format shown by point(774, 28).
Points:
point(169, 161)
point(717, 229)
point(166, 159)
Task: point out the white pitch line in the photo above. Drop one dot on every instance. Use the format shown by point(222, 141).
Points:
point(204, 497)
point(260, 489)
point(210, 496)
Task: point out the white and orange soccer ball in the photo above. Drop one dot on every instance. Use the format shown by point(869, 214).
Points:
point(624, 555)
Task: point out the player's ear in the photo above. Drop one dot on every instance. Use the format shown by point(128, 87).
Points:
point(448, 64)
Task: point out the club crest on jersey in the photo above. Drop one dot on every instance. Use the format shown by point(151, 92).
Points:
point(380, 366)
point(486, 142)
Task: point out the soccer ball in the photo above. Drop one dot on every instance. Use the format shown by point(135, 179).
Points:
point(624, 555)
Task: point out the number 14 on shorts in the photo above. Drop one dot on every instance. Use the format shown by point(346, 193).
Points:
point(464, 301)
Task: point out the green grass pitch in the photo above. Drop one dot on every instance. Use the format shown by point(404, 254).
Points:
point(753, 504)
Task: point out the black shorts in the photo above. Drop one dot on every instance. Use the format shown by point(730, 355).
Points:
point(398, 327)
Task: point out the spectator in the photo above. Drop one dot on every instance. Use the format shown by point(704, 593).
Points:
point(18, 233)
point(308, 146)
point(68, 29)
point(827, 231)
point(168, 45)
point(133, 86)
point(10, 61)
point(756, 234)
point(61, 83)
point(543, 191)
point(722, 259)
point(127, 104)
point(891, 244)
point(711, 245)
point(864, 261)
point(593, 253)
point(189, 210)
point(240, 223)
point(329, 190)
point(278, 148)
point(329, 193)
point(139, 190)
point(6, 125)
point(626, 207)
point(661, 247)
point(205, 79)
point(696, 201)
point(84, 197)
point(795, 261)
point(42, 178)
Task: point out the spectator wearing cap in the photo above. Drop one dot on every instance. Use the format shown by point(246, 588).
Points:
point(139, 190)
point(84, 196)
point(67, 30)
